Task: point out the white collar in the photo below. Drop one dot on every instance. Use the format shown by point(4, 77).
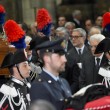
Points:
point(22, 83)
point(17, 81)
point(100, 58)
point(82, 48)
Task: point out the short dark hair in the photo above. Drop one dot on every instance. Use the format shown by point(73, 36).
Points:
point(42, 54)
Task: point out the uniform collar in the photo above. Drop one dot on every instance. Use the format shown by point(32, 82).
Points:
point(17, 81)
point(50, 74)
point(22, 83)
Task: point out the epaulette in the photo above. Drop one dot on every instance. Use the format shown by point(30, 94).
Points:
point(8, 90)
point(40, 79)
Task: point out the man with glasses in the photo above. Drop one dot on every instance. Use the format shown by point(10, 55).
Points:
point(91, 65)
point(75, 56)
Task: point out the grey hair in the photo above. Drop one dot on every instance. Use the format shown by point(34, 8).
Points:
point(64, 30)
point(97, 37)
point(76, 12)
point(94, 30)
point(41, 105)
point(69, 23)
point(81, 31)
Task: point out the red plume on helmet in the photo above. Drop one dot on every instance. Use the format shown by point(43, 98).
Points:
point(106, 19)
point(44, 21)
point(2, 9)
point(106, 25)
point(15, 34)
point(2, 15)
point(13, 31)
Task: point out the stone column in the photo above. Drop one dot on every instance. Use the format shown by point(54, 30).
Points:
point(28, 12)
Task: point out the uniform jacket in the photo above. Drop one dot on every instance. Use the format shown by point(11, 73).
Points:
point(14, 95)
point(45, 87)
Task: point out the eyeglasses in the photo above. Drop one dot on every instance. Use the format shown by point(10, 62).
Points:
point(75, 37)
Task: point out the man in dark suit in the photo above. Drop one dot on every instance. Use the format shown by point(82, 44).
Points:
point(77, 17)
point(49, 86)
point(74, 58)
point(89, 73)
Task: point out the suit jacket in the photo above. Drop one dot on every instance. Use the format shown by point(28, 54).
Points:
point(89, 73)
point(72, 69)
point(45, 87)
point(70, 45)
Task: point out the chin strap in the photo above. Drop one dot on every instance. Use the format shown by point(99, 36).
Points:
point(19, 71)
point(25, 80)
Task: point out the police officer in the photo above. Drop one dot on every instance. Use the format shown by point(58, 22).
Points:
point(49, 86)
point(14, 95)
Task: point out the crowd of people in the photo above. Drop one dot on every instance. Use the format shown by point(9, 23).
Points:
point(65, 67)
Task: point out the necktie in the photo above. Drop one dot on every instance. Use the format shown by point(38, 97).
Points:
point(79, 51)
point(61, 87)
point(98, 62)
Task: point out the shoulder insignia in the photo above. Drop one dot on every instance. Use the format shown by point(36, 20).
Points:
point(49, 81)
point(39, 80)
point(8, 90)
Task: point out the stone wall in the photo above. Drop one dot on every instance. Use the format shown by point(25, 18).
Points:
point(25, 10)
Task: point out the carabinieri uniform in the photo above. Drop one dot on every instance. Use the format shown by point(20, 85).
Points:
point(14, 95)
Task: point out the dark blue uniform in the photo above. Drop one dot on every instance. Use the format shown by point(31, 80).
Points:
point(45, 87)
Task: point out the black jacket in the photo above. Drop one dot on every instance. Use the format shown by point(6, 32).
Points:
point(89, 73)
point(72, 69)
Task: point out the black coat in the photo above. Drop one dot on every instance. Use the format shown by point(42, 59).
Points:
point(89, 73)
point(15, 94)
point(70, 45)
point(45, 87)
point(72, 69)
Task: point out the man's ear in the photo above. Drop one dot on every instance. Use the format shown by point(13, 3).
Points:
point(47, 58)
